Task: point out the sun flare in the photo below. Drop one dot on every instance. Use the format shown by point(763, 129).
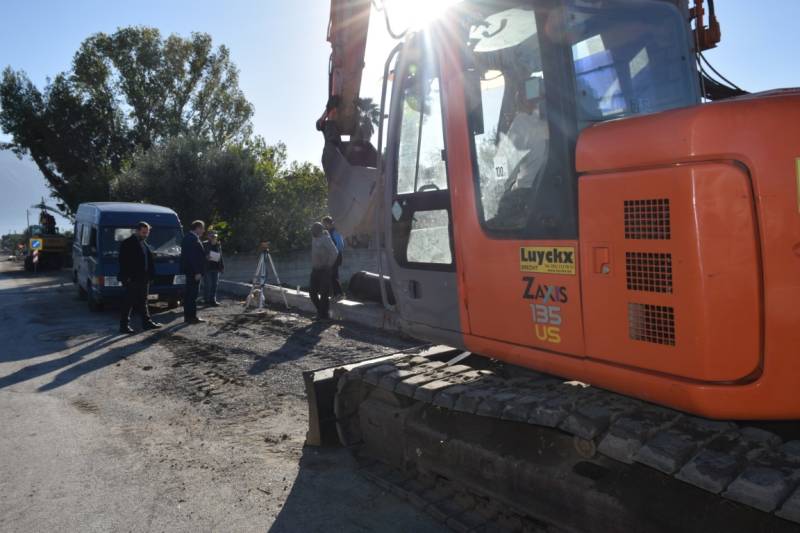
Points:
point(415, 14)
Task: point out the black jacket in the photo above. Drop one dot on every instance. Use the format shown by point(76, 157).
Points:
point(193, 256)
point(132, 263)
point(214, 266)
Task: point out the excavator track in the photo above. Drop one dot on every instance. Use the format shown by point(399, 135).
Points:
point(549, 449)
point(448, 502)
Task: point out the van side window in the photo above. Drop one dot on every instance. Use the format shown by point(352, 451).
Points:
point(93, 239)
point(84, 235)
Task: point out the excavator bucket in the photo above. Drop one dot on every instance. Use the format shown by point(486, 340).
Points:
point(321, 387)
point(352, 188)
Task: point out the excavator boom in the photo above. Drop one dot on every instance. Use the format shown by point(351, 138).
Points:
point(347, 33)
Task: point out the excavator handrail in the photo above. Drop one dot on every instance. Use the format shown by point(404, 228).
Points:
point(379, 208)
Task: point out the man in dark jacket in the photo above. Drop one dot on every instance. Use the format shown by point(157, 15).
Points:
point(215, 265)
point(136, 269)
point(193, 265)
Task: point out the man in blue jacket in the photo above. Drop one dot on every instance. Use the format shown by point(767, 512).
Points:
point(193, 265)
point(338, 241)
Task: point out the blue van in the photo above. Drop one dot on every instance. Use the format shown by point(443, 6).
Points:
point(100, 227)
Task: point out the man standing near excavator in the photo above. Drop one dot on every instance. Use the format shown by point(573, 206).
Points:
point(338, 241)
point(193, 265)
point(323, 257)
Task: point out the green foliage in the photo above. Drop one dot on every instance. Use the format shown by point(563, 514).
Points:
point(10, 241)
point(223, 229)
point(297, 199)
point(246, 191)
point(368, 116)
point(125, 93)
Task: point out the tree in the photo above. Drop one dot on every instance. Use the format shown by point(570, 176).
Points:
point(125, 93)
point(247, 190)
point(9, 241)
point(296, 200)
point(368, 119)
point(195, 178)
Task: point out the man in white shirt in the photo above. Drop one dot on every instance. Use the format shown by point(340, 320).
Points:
point(525, 145)
point(323, 257)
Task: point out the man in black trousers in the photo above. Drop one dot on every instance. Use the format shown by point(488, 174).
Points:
point(136, 269)
point(193, 265)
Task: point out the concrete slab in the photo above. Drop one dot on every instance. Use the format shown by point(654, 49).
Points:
point(368, 314)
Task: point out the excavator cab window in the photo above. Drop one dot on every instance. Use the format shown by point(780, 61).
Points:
point(421, 218)
point(544, 71)
point(513, 141)
point(630, 58)
point(421, 164)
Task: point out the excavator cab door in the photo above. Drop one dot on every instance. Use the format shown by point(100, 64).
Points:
point(417, 203)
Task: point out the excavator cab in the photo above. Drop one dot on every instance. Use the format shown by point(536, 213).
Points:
point(525, 79)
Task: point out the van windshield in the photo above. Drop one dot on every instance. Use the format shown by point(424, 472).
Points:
point(164, 241)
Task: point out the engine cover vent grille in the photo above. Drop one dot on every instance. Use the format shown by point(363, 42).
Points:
point(651, 272)
point(651, 323)
point(647, 219)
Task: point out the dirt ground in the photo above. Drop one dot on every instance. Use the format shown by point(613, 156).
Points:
point(191, 428)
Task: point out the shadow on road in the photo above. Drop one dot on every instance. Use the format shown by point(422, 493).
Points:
point(105, 344)
point(327, 489)
point(300, 343)
point(355, 332)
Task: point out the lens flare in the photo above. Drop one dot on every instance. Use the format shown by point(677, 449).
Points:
point(415, 14)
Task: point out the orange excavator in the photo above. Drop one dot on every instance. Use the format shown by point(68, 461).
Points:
point(602, 237)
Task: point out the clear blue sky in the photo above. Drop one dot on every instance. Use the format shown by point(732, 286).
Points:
point(280, 49)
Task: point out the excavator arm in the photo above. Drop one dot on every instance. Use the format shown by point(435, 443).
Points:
point(347, 33)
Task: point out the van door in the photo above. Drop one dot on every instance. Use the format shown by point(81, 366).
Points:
point(88, 260)
point(76, 253)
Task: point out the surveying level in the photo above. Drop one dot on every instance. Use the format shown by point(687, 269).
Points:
point(260, 277)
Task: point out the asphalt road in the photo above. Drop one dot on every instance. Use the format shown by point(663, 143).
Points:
point(195, 428)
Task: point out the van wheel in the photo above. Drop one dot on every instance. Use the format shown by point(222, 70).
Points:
point(81, 293)
point(172, 303)
point(94, 305)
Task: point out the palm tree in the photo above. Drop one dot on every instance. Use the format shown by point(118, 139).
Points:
point(368, 118)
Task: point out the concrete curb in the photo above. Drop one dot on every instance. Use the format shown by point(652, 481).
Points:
point(369, 314)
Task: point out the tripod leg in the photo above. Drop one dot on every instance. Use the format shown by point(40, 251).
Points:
point(278, 279)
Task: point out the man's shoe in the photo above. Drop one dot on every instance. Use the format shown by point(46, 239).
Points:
point(194, 320)
point(214, 304)
point(151, 325)
point(127, 330)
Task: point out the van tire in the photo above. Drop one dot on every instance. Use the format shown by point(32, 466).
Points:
point(81, 293)
point(94, 305)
